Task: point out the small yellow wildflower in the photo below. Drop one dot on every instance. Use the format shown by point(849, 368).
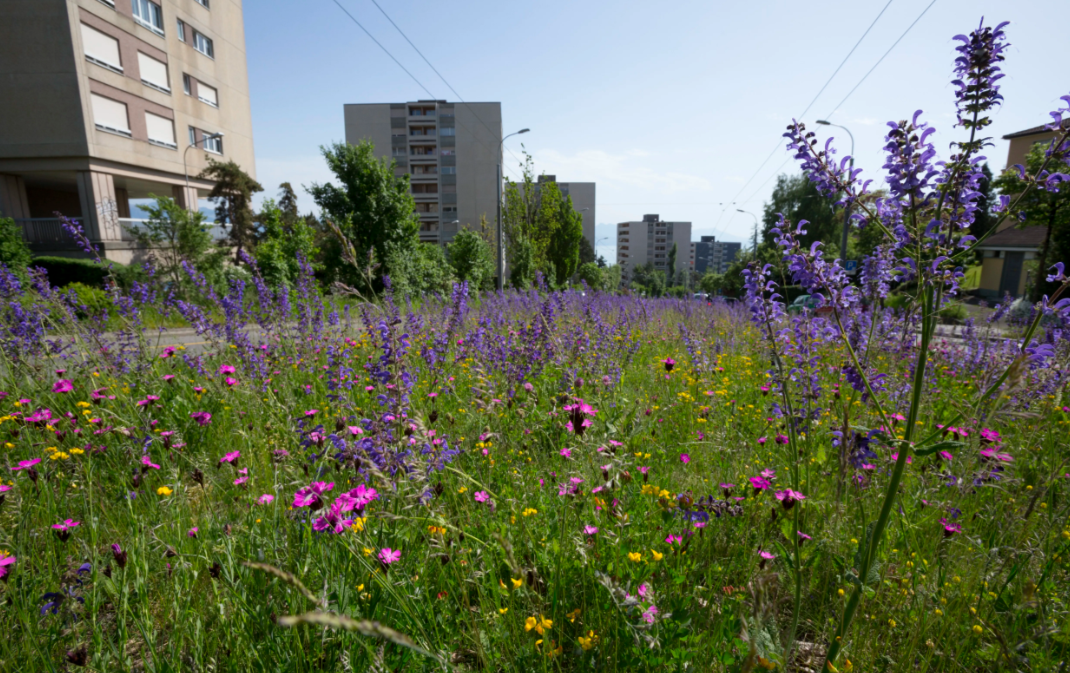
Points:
point(977, 629)
point(589, 642)
point(517, 583)
point(635, 556)
point(657, 555)
point(164, 491)
point(502, 611)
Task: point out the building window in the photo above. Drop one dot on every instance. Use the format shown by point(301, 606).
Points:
point(399, 151)
point(203, 3)
point(207, 94)
point(192, 136)
point(449, 209)
point(153, 73)
point(181, 30)
point(110, 115)
point(214, 145)
point(148, 14)
point(187, 86)
point(447, 153)
point(449, 170)
point(161, 130)
point(101, 49)
point(447, 131)
point(203, 44)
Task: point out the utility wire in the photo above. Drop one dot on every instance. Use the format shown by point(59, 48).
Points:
point(418, 82)
point(450, 86)
point(879, 60)
point(827, 82)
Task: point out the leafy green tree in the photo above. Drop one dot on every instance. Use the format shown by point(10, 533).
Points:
point(1041, 208)
point(670, 273)
point(587, 254)
point(521, 263)
point(646, 278)
point(798, 199)
point(592, 275)
point(611, 277)
point(712, 283)
point(371, 207)
point(472, 260)
point(14, 253)
point(233, 196)
point(282, 243)
point(419, 270)
point(984, 220)
point(563, 245)
point(173, 234)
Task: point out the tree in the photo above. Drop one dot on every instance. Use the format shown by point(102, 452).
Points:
point(1041, 208)
point(670, 273)
point(712, 283)
point(233, 196)
point(472, 260)
point(370, 206)
point(288, 202)
point(798, 199)
point(587, 254)
point(521, 263)
point(984, 220)
point(14, 253)
point(419, 270)
point(563, 246)
point(592, 275)
point(282, 244)
point(611, 277)
point(173, 234)
point(646, 278)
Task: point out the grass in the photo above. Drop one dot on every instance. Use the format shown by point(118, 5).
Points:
point(516, 579)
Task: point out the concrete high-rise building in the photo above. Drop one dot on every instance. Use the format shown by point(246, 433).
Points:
point(651, 241)
point(102, 99)
point(722, 254)
point(702, 254)
point(450, 152)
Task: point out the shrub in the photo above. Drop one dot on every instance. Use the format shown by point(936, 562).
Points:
point(94, 299)
point(63, 271)
point(13, 250)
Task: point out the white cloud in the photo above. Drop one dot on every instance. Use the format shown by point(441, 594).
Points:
point(630, 169)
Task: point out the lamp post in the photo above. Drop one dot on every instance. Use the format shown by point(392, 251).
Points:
point(847, 208)
point(755, 226)
point(185, 169)
point(501, 238)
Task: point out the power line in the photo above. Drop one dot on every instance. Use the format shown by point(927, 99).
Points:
point(406, 70)
point(827, 82)
point(880, 59)
point(450, 86)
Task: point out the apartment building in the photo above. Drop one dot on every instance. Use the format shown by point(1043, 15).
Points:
point(650, 241)
point(450, 151)
point(713, 256)
point(108, 101)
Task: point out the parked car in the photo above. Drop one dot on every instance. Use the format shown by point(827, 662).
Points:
point(806, 302)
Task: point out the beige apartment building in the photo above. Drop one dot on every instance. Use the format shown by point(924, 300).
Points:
point(651, 241)
point(105, 101)
point(450, 152)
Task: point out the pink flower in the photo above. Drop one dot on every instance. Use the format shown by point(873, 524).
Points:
point(388, 556)
point(644, 469)
point(946, 455)
point(332, 520)
point(950, 528)
point(674, 539)
point(230, 381)
point(769, 474)
point(202, 418)
point(265, 499)
point(4, 487)
point(643, 590)
point(311, 412)
point(761, 440)
point(309, 496)
point(895, 457)
point(147, 462)
point(62, 386)
point(766, 555)
point(168, 352)
point(760, 484)
point(788, 497)
point(199, 390)
point(192, 532)
point(781, 439)
point(358, 498)
point(230, 457)
point(167, 378)
point(650, 615)
point(989, 453)
point(5, 564)
point(66, 525)
point(684, 458)
point(481, 496)
point(26, 464)
point(567, 453)
point(355, 430)
point(244, 472)
point(803, 537)
point(590, 530)
point(227, 369)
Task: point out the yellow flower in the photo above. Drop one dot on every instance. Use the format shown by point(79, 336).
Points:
point(977, 629)
point(891, 623)
point(367, 551)
point(530, 511)
point(502, 611)
point(517, 583)
point(590, 641)
point(572, 615)
point(358, 524)
point(657, 555)
point(77, 452)
point(635, 556)
point(462, 489)
point(530, 623)
point(164, 491)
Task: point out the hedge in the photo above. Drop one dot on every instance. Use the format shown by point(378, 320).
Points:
point(63, 271)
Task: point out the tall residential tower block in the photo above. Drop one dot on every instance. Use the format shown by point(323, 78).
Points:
point(102, 99)
point(650, 241)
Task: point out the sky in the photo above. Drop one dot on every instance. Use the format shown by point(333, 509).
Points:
point(671, 108)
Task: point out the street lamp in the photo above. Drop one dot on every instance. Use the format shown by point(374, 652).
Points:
point(755, 226)
point(847, 208)
point(501, 239)
point(211, 136)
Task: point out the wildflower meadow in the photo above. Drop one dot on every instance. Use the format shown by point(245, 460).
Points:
point(553, 480)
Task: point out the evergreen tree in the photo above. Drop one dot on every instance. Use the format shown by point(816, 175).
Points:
point(233, 196)
point(670, 273)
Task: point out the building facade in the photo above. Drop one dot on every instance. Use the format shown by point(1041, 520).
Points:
point(1011, 251)
point(650, 241)
point(449, 151)
point(722, 254)
point(111, 97)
